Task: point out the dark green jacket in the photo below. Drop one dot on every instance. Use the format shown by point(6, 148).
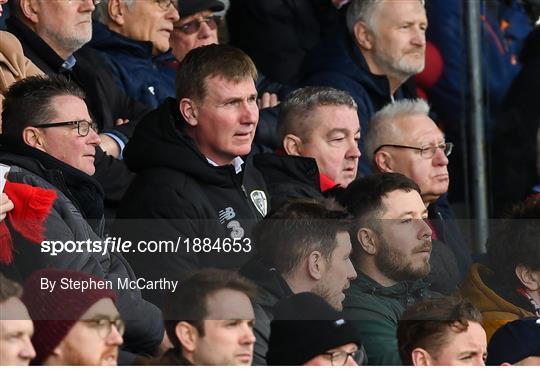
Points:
point(375, 311)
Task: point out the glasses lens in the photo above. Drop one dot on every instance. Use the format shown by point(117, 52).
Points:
point(213, 21)
point(83, 127)
point(449, 146)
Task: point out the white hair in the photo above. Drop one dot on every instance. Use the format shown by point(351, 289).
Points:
point(382, 126)
point(101, 14)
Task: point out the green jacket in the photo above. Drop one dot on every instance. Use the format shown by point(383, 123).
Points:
point(375, 311)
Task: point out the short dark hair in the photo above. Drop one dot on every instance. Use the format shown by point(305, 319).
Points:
point(297, 228)
point(209, 61)
point(296, 112)
point(9, 289)
point(515, 241)
point(28, 102)
point(427, 323)
point(189, 302)
point(363, 198)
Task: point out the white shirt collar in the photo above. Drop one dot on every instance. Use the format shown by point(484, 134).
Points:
point(237, 163)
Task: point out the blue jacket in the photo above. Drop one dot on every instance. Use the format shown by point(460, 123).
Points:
point(338, 62)
point(136, 71)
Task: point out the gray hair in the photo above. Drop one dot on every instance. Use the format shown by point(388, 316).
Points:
point(382, 126)
point(296, 111)
point(101, 14)
point(363, 10)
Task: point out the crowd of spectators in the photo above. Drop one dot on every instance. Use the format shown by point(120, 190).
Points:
point(268, 187)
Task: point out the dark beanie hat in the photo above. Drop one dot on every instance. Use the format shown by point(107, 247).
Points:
point(187, 8)
point(514, 342)
point(55, 313)
point(305, 326)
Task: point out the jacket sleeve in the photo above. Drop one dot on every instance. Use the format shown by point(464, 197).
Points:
point(113, 175)
point(378, 335)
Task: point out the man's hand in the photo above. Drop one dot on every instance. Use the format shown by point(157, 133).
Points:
point(268, 100)
point(5, 206)
point(109, 145)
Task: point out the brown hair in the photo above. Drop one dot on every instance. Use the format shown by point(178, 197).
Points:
point(208, 61)
point(426, 324)
point(9, 289)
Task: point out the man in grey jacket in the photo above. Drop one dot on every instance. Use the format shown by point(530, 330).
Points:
point(49, 141)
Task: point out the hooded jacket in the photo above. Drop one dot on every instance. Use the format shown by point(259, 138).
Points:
point(375, 311)
point(496, 310)
point(271, 288)
point(337, 62)
point(77, 215)
point(136, 71)
point(178, 196)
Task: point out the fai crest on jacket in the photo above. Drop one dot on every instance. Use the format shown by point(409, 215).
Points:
point(259, 200)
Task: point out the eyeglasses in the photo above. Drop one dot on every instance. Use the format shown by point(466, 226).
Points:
point(427, 152)
point(165, 4)
point(104, 326)
point(194, 26)
point(83, 126)
point(339, 358)
point(95, 2)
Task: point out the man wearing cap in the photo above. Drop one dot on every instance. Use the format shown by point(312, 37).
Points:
point(16, 328)
point(306, 330)
point(516, 343)
point(133, 38)
point(73, 326)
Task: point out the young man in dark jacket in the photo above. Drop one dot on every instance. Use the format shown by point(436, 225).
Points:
point(49, 141)
point(194, 186)
point(391, 255)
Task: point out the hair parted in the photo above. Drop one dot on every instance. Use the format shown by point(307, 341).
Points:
point(189, 302)
point(382, 127)
point(297, 228)
point(9, 289)
point(296, 112)
point(208, 61)
point(427, 323)
point(29, 102)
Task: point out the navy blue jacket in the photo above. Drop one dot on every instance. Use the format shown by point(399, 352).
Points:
point(338, 62)
point(135, 70)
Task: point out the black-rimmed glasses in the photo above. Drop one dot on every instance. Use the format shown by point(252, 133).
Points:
point(165, 4)
point(104, 326)
point(339, 358)
point(427, 152)
point(194, 26)
point(83, 126)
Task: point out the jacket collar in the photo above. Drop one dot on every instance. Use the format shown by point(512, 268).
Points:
point(105, 40)
point(370, 286)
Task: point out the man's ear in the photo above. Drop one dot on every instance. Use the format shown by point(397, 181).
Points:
point(187, 334)
point(188, 109)
point(363, 35)
point(384, 162)
point(292, 145)
point(30, 10)
point(420, 357)
point(315, 265)
point(367, 240)
point(116, 10)
point(527, 278)
point(34, 138)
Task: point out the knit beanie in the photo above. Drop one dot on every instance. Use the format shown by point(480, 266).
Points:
point(304, 327)
point(55, 312)
point(514, 342)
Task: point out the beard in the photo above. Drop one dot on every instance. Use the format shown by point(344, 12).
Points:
point(71, 42)
point(400, 68)
point(331, 296)
point(394, 264)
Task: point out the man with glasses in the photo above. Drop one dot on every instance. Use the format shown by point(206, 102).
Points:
point(53, 35)
point(402, 138)
point(132, 37)
point(306, 330)
point(49, 140)
point(73, 326)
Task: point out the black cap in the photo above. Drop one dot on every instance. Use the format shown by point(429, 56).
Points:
point(305, 326)
point(514, 342)
point(187, 8)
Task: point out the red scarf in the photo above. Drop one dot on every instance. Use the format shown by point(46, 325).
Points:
point(31, 206)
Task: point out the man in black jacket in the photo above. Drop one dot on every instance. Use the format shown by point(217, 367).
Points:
point(194, 194)
point(49, 141)
point(53, 35)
